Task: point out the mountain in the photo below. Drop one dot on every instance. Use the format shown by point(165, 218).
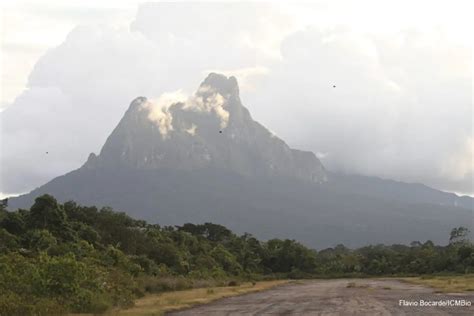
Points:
point(209, 130)
point(391, 190)
point(203, 158)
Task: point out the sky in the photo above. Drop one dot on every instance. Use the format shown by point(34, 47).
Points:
point(401, 107)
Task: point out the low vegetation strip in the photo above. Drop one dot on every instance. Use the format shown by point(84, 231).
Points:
point(158, 304)
point(445, 284)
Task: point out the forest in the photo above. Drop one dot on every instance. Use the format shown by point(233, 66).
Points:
point(66, 258)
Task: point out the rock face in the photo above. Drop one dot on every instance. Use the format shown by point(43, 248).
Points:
point(211, 129)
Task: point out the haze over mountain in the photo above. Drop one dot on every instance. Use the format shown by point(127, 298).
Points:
point(203, 158)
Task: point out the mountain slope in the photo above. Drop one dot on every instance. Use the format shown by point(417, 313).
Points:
point(395, 191)
point(265, 207)
point(203, 158)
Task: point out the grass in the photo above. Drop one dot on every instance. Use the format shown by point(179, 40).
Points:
point(445, 284)
point(158, 304)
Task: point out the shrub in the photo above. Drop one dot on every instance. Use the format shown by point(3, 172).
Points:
point(164, 284)
point(12, 304)
point(233, 283)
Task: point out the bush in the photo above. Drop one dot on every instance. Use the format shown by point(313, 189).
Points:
point(233, 283)
point(12, 304)
point(165, 284)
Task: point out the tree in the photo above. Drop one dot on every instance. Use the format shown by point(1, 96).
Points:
point(40, 239)
point(3, 204)
point(210, 231)
point(459, 235)
point(8, 241)
point(46, 213)
point(14, 223)
point(226, 260)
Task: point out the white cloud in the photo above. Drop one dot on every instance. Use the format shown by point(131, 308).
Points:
point(30, 28)
point(459, 164)
point(191, 130)
point(248, 77)
point(397, 111)
point(206, 99)
point(159, 110)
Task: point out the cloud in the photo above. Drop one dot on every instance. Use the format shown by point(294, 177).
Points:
point(248, 78)
point(158, 110)
point(191, 130)
point(76, 94)
point(460, 164)
point(30, 150)
point(401, 108)
point(206, 99)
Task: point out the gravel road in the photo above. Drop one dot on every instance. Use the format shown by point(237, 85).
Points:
point(336, 297)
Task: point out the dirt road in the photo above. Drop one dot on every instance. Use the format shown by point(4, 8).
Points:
point(338, 297)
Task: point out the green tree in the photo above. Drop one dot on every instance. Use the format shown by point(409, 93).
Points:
point(40, 240)
point(13, 222)
point(459, 235)
point(47, 213)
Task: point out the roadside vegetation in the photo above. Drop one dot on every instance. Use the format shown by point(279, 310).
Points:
point(159, 304)
point(66, 258)
point(445, 283)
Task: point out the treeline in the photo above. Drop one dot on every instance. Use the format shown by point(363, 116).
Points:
point(59, 258)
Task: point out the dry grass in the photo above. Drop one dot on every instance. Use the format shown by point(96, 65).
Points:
point(158, 304)
point(446, 284)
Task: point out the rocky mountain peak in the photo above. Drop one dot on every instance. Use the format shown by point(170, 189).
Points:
point(210, 129)
point(226, 86)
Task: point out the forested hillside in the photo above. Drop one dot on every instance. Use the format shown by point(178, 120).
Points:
point(58, 258)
